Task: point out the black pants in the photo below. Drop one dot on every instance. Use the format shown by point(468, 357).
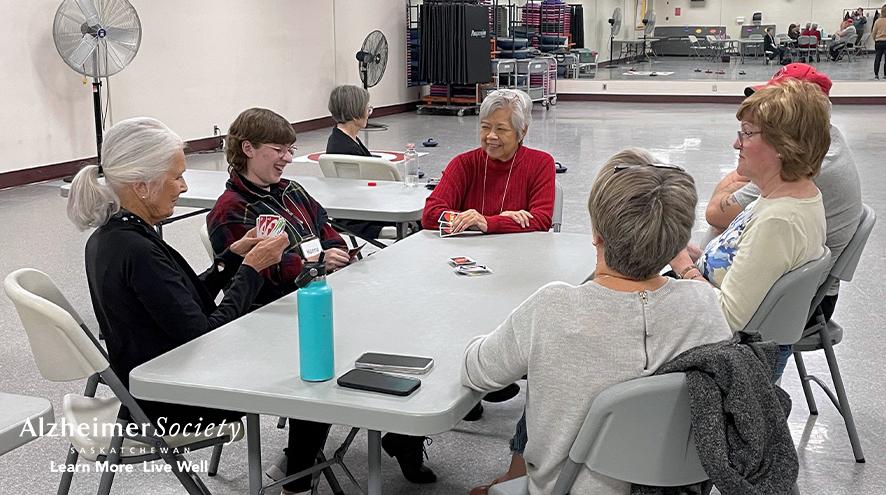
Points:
point(306, 440)
point(835, 50)
point(880, 48)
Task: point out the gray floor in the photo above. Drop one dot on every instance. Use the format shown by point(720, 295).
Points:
point(581, 135)
point(754, 68)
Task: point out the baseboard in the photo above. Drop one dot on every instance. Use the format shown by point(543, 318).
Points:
point(628, 98)
point(65, 169)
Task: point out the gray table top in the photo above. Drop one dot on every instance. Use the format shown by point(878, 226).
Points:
point(15, 411)
point(349, 199)
point(404, 299)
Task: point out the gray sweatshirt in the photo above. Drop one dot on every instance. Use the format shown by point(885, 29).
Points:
point(573, 342)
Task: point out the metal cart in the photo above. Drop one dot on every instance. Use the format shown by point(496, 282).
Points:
point(533, 76)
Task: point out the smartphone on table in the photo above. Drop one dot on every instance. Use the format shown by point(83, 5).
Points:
point(374, 381)
point(394, 363)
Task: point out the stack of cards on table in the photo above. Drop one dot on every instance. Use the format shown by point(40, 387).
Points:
point(445, 221)
point(467, 266)
point(270, 225)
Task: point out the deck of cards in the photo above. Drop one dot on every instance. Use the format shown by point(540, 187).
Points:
point(445, 221)
point(468, 266)
point(270, 226)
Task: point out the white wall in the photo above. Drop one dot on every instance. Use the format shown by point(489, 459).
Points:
point(200, 63)
point(596, 24)
point(827, 13)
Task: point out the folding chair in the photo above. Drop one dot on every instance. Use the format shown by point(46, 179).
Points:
point(825, 335)
point(207, 244)
point(638, 431)
point(783, 314)
point(65, 350)
point(557, 217)
point(358, 167)
point(696, 47)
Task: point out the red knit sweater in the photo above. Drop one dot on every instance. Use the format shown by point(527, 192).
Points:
point(531, 188)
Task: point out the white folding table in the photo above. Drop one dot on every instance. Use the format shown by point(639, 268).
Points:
point(15, 412)
point(343, 199)
point(406, 300)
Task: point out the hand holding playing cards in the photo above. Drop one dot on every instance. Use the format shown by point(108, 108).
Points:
point(266, 252)
point(467, 219)
point(521, 217)
point(244, 244)
point(335, 258)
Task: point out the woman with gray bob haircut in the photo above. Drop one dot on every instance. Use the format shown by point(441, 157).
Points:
point(350, 109)
point(573, 342)
point(146, 297)
point(502, 186)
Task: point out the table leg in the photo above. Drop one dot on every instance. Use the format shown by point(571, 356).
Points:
point(373, 485)
point(401, 230)
point(253, 443)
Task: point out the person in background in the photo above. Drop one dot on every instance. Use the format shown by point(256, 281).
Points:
point(783, 138)
point(147, 299)
point(771, 46)
point(878, 33)
point(793, 32)
point(350, 109)
point(847, 34)
point(859, 20)
point(575, 341)
point(503, 186)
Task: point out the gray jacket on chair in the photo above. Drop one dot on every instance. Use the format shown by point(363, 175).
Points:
point(739, 418)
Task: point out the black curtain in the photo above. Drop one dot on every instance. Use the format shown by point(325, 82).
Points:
point(454, 43)
point(577, 26)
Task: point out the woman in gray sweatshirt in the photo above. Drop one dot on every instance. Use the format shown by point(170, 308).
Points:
point(573, 342)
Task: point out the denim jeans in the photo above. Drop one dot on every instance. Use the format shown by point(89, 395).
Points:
point(781, 360)
point(520, 438)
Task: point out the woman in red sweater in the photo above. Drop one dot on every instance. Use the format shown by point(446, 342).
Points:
point(502, 186)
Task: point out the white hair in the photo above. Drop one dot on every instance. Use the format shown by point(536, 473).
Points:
point(517, 101)
point(139, 149)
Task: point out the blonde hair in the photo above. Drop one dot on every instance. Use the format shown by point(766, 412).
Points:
point(644, 213)
point(795, 118)
point(139, 149)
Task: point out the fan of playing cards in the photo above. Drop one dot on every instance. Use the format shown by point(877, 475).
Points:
point(270, 225)
point(445, 221)
point(467, 266)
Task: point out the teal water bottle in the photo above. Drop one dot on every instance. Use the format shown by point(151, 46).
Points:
point(316, 347)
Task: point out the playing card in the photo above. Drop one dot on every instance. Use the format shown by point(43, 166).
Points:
point(352, 253)
point(447, 217)
point(265, 224)
point(461, 261)
point(473, 270)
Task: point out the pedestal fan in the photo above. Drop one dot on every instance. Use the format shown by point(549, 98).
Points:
point(97, 38)
point(372, 59)
point(614, 29)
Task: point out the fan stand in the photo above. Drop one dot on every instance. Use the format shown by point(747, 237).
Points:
point(369, 124)
point(612, 65)
point(97, 114)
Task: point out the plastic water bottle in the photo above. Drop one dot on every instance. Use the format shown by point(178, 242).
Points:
point(410, 165)
point(316, 347)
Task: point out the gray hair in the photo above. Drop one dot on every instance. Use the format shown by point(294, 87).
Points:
point(517, 101)
point(139, 149)
point(347, 103)
point(643, 213)
point(814, 25)
point(808, 25)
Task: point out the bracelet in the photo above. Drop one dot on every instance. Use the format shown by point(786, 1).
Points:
point(689, 269)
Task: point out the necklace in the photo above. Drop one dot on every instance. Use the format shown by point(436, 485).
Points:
point(507, 182)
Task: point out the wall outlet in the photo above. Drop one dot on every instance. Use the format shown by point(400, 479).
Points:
point(604, 86)
point(215, 130)
point(714, 88)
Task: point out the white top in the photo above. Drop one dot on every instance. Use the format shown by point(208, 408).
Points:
point(15, 412)
point(573, 342)
point(766, 240)
point(404, 299)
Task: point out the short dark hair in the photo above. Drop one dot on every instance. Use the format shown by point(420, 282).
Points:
point(258, 126)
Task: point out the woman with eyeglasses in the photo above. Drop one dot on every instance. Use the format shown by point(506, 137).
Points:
point(573, 342)
point(503, 186)
point(784, 136)
point(258, 147)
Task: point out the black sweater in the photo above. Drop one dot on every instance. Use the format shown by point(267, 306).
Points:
point(340, 143)
point(148, 300)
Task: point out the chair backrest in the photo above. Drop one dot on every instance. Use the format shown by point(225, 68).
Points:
point(711, 38)
point(557, 217)
point(844, 267)
point(782, 315)
point(756, 36)
point(640, 432)
point(806, 40)
point(693, 40)
point(61, 348)
point(207, 244)
point(359, 167)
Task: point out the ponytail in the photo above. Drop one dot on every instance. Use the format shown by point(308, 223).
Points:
point(90, 202)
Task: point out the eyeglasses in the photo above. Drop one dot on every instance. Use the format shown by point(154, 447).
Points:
point(744, 135)
point(625, 166)
point(281, 151)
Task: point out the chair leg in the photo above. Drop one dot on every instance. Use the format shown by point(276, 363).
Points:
point(65, 485)
point(214, 460)
point(807, 388)
point(845, 410)
point(112, 459)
